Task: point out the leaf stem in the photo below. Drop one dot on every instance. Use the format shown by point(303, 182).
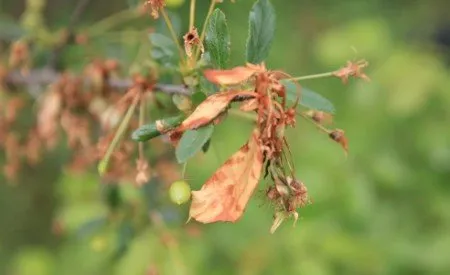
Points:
point(192, 15)
point(173, 34)
point(103, 165)
point(313, 76)
point(318, 125)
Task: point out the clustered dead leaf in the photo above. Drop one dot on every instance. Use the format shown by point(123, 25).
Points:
point(83, 116)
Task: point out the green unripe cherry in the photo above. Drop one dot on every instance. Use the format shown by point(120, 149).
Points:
point(180, 192)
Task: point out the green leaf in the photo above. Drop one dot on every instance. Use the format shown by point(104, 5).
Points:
point(309, 99)
point(192, 142)
point(217, 39)
point(207, 87)
point(149, 131)
point(261, 31)
point(163, 49)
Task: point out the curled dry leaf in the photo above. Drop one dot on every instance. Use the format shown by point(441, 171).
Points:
point(210, 109)
point(231, 77)
point(155, 6)
point(338, 135)
point(225, 195)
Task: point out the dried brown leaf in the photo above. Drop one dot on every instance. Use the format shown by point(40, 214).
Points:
point(234, 76)
point(209, 109)
point(225, 195)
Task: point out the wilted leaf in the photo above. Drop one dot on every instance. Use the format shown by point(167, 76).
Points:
point(308, 99)
point(217, 40)
point(234, 76)
point(226, 194)
point(159, 127)
point(261, 31)
point(209, 109)
point(192, 142)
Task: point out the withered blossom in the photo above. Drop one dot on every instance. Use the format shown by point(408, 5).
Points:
point(142, 172)
point(353, 69)
point(191, 40)
point(155, 7)
point(338, 135)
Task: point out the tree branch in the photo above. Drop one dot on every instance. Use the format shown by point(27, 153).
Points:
point(47, 76)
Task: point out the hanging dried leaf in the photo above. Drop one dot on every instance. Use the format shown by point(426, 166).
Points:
point(209, 109)
point(225, 195)
point(338, 135)
point(231, 77)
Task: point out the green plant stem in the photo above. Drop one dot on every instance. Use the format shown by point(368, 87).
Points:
point(313, 76)
point(173, 34)
point(108, 23)
point(192, 15)
point(103, 165)
point(183, 172)
point(208, 15)
point(141, 123)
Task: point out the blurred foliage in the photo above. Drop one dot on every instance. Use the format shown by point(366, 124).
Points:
point(382, 210)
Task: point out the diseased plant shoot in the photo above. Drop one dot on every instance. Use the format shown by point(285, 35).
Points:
point(130, 136)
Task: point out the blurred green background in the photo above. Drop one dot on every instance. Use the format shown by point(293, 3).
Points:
point(383, 210)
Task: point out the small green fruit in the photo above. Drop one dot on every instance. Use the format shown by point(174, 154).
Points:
point(180, 192)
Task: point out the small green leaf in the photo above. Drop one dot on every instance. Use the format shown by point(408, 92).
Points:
point(261, 31)
point(192, 142)
point(309, 99)
point(149, 131)
point(163, 49)
point(217, 40)
point(197, 98)
point(207, 87)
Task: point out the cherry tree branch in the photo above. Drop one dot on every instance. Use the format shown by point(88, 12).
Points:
point(41, 77)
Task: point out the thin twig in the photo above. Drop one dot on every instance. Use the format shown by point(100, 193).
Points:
point(42, 77)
